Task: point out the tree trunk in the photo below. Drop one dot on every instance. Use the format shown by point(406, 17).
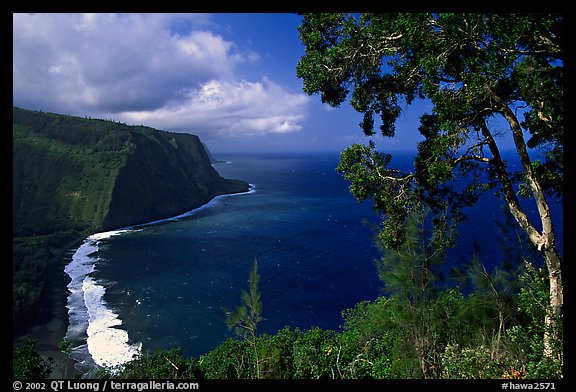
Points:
point(545, 241)
point(551, 332)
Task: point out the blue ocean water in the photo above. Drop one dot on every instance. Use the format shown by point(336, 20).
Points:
point(170, 284)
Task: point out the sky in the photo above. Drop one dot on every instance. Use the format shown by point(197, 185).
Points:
point(228, 78)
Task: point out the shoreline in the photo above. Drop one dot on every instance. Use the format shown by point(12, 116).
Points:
point(51, 324)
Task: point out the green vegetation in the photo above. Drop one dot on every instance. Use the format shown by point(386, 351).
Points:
point(27, 364)
point(32, 258)
point(75, 176)
point(482, 75)
point(64, 170)
point(78, 174)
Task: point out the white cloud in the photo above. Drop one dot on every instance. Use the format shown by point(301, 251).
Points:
point(230, 108)
point(115, 62)
point(168, 71)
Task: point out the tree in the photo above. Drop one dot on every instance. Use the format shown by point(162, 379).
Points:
point(475, 70)
point(66, 347)
point(28, 364)
point(245, 318)
point(160, 364)
point(410, 277)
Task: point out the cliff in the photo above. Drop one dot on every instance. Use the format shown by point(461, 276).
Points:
point(92, 175)
point(168, 174)
point(75, 176)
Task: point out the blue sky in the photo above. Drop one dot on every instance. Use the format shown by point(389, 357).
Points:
point(229, 78)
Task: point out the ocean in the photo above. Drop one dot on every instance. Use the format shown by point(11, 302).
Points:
point(170, 283)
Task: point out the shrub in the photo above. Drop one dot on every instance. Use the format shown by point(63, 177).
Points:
point(28, 364)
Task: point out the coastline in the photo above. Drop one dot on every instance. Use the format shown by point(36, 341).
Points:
point(51, 324)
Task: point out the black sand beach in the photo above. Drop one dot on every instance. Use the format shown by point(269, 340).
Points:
point(51, 323)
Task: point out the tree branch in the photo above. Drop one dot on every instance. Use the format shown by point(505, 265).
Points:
point(547, 238)
point(171, 363)
point(471, 157)
point(511, 198)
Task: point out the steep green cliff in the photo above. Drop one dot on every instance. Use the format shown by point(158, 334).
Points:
point(169, 174)
point(90, 175)
point(74, 176)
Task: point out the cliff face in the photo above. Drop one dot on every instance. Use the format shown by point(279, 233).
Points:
point(72, 173)
point(166, 175)
point(74, 176)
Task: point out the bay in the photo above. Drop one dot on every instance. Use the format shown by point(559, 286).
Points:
point(172, 283)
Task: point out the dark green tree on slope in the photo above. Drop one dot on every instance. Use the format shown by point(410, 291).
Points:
point(473, 68)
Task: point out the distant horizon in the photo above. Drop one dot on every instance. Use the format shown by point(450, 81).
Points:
point(279, 150)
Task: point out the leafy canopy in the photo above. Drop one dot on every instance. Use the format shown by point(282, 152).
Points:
point(473, 69)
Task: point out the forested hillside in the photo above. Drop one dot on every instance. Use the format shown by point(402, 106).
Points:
point(74, 176)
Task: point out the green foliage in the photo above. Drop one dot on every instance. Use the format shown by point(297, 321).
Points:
point(527, 337)
point(314, 354)
point(550, 173)
point(368, 341)
point(392, 191)
point(75, 173)
point(60, 180)
point(233, 359)
point(277, 353)
point(31, 257)
point(65, 346)
point(471, 363)
point(409, 271)
point(517, 353)
point(28, 364)
point(425, 326)
point(392, 338)
point(162, 364)
point(448, 335)
point(473, 68)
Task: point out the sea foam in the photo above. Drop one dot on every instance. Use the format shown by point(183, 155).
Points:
point(90, 318)
point(109, 346)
